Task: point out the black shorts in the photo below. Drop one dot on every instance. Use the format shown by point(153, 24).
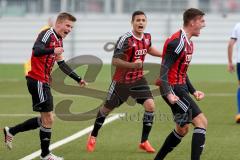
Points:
point(42, 100)
point(185, 110)
point(119, 93)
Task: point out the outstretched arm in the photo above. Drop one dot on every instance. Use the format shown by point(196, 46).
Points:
point(154, 52)
point(68, 71)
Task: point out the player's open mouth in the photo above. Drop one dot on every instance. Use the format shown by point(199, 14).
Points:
point(140, 27)
point(65, 33)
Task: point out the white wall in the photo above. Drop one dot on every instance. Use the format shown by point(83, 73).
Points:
point(92, 32)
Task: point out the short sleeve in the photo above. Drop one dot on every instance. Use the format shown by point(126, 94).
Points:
point(121, 47)
point(234, 34)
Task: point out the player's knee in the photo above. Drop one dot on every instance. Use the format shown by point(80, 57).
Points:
point(200, 121)
point(47, 120)
point(50, 120)
point(205, 122)
point(149, 105)
point(182, 130)
point(105, 110)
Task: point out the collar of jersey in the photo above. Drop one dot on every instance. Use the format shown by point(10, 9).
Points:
point(185, 35)
point(137, 37)
point(55, 34)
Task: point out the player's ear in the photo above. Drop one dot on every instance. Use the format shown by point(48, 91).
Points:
point(56, 24)
point(191, 23)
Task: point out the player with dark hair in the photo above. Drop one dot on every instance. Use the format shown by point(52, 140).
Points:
point(128, 80)
point(175, 86)
point(47, 49)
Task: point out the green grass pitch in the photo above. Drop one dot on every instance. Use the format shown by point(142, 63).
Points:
point(119, 139)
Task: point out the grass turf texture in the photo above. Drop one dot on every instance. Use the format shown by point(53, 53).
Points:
point(119, 140)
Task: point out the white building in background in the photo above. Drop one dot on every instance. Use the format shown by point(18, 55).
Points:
point(23, 7)
point(103, 21)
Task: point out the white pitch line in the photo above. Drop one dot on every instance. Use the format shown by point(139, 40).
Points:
point(72, 137)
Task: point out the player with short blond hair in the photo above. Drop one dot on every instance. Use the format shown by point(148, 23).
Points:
point(47, 49)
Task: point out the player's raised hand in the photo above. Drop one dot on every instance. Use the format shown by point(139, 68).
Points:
point(138, 63)
point(58, 50)
point(231, 67)
point(172, 98)
point(83, 83)
point(199, 95)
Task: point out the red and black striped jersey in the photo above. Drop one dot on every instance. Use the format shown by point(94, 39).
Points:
point(43, 57)
point(177, 54)
point(130, 48)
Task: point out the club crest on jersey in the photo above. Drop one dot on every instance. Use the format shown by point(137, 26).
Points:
point(147, 41)
point(140, 52)
point(188, 58)
point(188, 50)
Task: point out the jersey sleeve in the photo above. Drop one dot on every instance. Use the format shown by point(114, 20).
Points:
point(235, 31)
point(40, 45)
point(191, 89)
point(171, 56)
point(121, 47)
point(150, 39)
point(68, 71)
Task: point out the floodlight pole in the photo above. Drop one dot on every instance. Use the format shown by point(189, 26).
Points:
point(193, 3)
point(3, 5)
point(46, 6)
point(107, 7)
point(73, 38)
point(118, 6)
point(63, 5)
point(168, 24)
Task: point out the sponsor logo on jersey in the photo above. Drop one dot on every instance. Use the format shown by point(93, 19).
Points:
point(140, 52)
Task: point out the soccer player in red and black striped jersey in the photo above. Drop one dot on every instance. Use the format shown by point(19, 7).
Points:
point(128, 80)
point(175, 86)
point(47, 49)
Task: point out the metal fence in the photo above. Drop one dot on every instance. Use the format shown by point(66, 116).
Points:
point(26, 7)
